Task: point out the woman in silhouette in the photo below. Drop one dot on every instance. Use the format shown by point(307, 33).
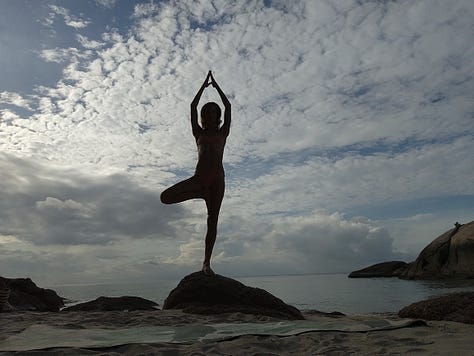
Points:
point(208, 180)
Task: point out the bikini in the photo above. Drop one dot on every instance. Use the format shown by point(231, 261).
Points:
point(209, 177)
point(210, 139)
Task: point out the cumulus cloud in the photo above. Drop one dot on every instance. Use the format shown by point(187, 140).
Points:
point(322, 242)
point(317, 242)
point(335, 106)
point(46, 206)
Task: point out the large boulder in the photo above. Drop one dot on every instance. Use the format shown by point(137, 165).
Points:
point(201, 294)
point(26, 295)
point(449, 255)
point(452, 307)
point(113, 304)
point(384, 269)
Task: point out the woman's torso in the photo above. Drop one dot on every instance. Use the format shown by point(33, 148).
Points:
point(210, 152)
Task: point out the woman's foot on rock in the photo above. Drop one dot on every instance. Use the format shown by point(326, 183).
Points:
point(206, 269)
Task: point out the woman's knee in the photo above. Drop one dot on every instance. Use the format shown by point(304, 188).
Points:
point(165, 197)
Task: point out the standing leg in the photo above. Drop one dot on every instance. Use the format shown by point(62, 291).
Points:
point(213, 203)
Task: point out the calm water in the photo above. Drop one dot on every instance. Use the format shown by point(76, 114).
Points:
point(325, 292)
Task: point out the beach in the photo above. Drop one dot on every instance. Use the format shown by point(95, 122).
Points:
point(143, 332)
point(218, 315)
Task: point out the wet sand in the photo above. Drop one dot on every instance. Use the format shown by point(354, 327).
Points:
point(436, 338)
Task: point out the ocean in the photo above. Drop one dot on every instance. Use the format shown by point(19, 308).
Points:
point(324, 292)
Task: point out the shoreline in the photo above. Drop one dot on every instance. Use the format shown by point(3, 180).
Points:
point(377, 295)
point(364, 334)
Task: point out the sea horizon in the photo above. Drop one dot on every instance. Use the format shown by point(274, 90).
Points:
point(325, 292)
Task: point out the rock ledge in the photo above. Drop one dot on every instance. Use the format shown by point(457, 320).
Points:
point(451, 307)
point(114, 304)
point(26, 295)
point(384, 269)
point(201, 294)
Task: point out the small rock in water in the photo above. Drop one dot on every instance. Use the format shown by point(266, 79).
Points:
point(114, 304)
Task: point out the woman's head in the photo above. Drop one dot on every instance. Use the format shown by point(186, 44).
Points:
point(210, 116)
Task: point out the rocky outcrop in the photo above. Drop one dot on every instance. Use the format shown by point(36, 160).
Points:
point(452, 307)
point(201, 294)
point(4, 296)
point(26, 295)
point(113, 304)
point(450, 255)
point(384, 269)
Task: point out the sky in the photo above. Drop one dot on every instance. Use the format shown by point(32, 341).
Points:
point(351, 140)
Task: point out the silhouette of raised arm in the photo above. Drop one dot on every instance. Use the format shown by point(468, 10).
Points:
point(227, 108)
point(194, 114)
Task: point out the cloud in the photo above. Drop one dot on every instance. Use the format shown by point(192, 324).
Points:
point(352, 180)
point(25, 262)
point(14, 99)
point(69, 20)
point(108, 4)
point(322, 242)
point(414, 232)
point(324, 115)
point(86, 43)
point(317, 242)
point(47, 206)
point(61, 55)
point(336, 108)
point(341, 77)
point(142, 10)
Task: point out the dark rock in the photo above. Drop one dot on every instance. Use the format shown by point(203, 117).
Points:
point(450, 255)
point(114, 303)
point(4, 296)
point(26, 295)
point(201, 294)
point(384, 269)
point(452, 307)
point(334, 314)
